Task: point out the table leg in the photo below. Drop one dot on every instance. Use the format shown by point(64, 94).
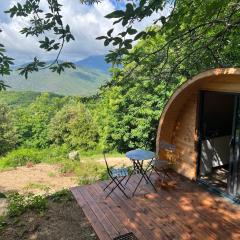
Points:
point(139, 166)
point(133, 171)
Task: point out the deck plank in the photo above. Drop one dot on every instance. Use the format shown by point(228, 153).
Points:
point(106, 208)
point(185, 212)
point(134, 215)
point(101, 216)
point(144, 206)
point(99, 229)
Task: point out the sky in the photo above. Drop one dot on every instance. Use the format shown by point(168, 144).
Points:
point(86, 22)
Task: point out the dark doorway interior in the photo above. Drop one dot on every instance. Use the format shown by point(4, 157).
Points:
point(217, 112)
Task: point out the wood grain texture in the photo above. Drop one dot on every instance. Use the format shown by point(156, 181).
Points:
point(184, 212)
point(178, 122)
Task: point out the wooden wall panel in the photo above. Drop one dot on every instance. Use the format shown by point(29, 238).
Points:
point(184, 137)
point(178, 124)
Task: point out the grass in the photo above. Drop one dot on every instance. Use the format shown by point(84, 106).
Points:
point(52, 155)
point(51, 174)
point(39, 186)
point(87, 169)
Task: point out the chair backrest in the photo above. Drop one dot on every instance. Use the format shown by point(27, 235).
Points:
point(167, 146)
point(104, 155)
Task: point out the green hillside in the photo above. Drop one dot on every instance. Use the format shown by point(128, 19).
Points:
point(20, 99)
point(79, 82)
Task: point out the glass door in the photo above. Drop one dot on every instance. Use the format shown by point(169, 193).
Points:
point(215, 134)
point(234, 173)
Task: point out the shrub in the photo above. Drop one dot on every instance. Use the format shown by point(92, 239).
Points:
point(54, 154)
point(21, 157)
point(73, 125)
point(32, 122)
point(8, 133)
point(18, 203)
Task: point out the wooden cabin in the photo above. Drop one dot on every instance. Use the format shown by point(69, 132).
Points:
point(202, 119)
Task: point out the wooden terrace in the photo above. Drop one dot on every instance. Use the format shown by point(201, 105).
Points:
point(182, 210)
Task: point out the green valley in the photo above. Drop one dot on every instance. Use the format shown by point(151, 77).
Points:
point(82, 81)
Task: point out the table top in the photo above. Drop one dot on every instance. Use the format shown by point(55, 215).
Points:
point(140, 155)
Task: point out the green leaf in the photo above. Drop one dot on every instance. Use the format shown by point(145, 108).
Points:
point(106, 42)
point(109, 33)
point(116, 14)
point(125, 21)
point(101, 37)
point(129, 10)
point(131, 31)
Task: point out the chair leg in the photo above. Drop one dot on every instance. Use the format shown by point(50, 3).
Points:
point(108, 185)
point(129, 178)
point(112, 188)
point(120, 182)
point(157, 172)
point(118, 185)
point(137, 185)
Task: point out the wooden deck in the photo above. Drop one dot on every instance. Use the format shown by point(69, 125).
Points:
point(186, 211)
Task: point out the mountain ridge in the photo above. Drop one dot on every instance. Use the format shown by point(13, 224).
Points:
point(83, 81)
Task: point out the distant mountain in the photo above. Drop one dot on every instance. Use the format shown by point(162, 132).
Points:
point(96, 62)
point(21, 99)
point(82, 81)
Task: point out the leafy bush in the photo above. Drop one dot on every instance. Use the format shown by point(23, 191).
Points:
point(8, 133)
point(18, 203)
point(20, 157)
point(54, 154)
point(32, 122)
point(88, 171)
point(74, 126)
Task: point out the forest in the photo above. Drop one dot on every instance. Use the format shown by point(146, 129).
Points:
point(124, 114)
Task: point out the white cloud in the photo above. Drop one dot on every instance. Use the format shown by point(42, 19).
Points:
point(87, 23)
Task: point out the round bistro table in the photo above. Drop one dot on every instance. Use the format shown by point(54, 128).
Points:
point(138, 156)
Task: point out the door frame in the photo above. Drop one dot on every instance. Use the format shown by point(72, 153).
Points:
point(199, 128)
point(234, 180)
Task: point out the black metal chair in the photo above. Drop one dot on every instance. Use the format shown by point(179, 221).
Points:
point(162, 166)
point(117, 176)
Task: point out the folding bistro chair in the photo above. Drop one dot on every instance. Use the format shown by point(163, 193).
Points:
point(117, 175)
point(162, 166)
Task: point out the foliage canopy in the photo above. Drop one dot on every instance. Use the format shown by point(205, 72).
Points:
point(192, 37)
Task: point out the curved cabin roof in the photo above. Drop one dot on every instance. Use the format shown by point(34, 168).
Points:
point(221, 80)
